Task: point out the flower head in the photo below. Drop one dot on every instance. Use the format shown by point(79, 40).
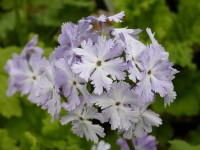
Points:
point(81, 124)
point(71, 37)
point(146, 119)
point(24, 74)
point(156, 72)
point(115, 105)
point(98, 61)
point(72, 85)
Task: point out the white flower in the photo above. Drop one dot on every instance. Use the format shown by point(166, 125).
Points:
point(72, 85)
point(99, 61)
point(47, 92)
point(115, 105)
point(146, 119)
point(134, 49)
point(82, 126)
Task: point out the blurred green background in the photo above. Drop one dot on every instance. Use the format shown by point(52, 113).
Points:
point(24, 126)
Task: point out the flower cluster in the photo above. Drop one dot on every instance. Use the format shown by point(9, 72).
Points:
point(97, 74)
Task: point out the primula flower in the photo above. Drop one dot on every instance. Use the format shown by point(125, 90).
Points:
point(81, 124)
point(146, 119)
point(101, 146)
point(134, 49)
point(115, 105)
point(156, 71)
point(24, 69)
point(72, 85)
point(71, 37)
point(98, 61)
point(47, 92)
point(23, 74)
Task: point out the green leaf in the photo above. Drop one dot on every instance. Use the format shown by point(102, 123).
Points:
point(31, 120)
point(180, 53)
point(187, 87)
point(9, 106)
point(7, 143)
point(182, 145)
point(29, 142)
point(54, 135)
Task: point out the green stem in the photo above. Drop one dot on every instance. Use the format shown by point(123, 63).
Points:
point(130, 144)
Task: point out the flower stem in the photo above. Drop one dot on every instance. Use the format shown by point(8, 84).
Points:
point(130, 144)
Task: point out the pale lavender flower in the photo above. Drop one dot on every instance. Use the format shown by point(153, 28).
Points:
point(72, 85)
point(81, 124)
point(156, 46)
point(71, 37)
point(47, 93)
point(147, 142)
point(101, 146)
point(134, 49)
point(23, 74)
point(171, 94)
point(115, 106)
point(98, 61)
point(156, 72)
point(24, 70)
point(146, 119)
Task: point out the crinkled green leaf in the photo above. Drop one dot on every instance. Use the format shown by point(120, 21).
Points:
point(29, 142)
point(31, 120)
point(181, 53)
point(182, 145)
point(54, 135)
point(188, 92)
point(7, 143)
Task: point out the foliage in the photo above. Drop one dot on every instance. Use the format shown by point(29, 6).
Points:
point(182, 145)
